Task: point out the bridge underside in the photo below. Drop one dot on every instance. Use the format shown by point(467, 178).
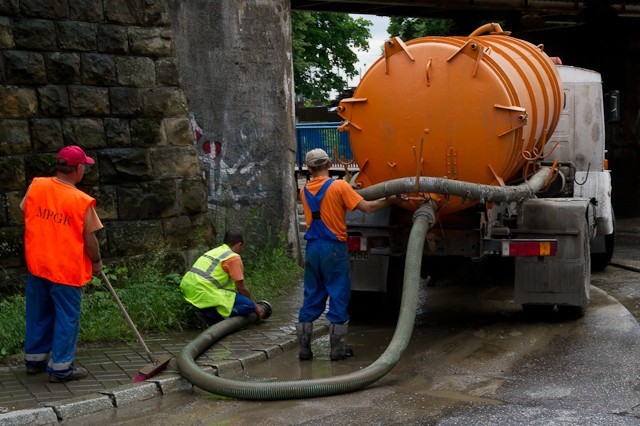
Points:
point(566, 11)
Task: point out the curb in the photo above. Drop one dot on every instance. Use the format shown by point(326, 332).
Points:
point(163, 384)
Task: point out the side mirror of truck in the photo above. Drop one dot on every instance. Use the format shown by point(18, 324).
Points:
point(612, 106)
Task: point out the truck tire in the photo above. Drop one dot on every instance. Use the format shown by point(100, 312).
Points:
point(599, 261)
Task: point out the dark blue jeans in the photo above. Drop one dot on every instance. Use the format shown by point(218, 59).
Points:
point(241, 306)
point(53, 322)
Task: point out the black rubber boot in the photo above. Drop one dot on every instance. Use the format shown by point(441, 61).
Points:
point(339, 349)
point(304, 330)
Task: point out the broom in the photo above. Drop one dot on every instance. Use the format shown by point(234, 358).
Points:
point(157, 363)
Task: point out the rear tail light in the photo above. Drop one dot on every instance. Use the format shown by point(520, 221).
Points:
point(529, 248)
point(357, 243)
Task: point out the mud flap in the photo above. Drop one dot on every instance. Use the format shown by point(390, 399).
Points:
point(563, 279)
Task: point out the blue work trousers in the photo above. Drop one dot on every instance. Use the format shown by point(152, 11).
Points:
point(242, 305)
point(53, 322)
point(326, 275)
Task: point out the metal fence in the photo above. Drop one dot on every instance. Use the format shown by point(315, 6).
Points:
point(325, 136)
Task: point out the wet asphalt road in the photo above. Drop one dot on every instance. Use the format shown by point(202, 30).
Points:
point(474, 359)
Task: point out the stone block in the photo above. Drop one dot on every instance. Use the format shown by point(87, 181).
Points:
point(89, 100)
point(169, 383)
point(85, 132)
point(147, 132)
point(39, 165)
point(147, 200)
point(34, 417)
point(98, 69)
point(51, 9)
point(178, 232)
point(112, 39)
point(167, 72)
point(6, 34)
point(122, 165)
point(74, 35)
point(136, 71)
point(165, 102)
point(24, 67)
point(15, 215)
point(126, 101)
point(178, 131)
point(86, 10)
point(81, 406)
point(135, 238)
point(154, 13)
point(126, 394)
point(3, 211)
point(117, 132)
point(14, 137)
point(39, 34)
point(9, 7)
point(18, 102)
point(12, 173)
point(63, 68)
point(106, 202)
point(153, 42)
point(173, 162)
point(46, 134)
point(11, 247)
point(54, 100)
point(193, 195)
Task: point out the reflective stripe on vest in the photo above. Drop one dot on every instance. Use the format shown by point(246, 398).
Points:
point(318, 230)
point(207, 273)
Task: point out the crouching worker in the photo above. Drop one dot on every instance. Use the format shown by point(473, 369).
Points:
point(215, 283)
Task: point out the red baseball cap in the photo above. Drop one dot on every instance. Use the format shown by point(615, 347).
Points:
point(73, 155)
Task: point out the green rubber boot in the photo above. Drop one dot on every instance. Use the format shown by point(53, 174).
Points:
point(339, 349)
point(304, 330)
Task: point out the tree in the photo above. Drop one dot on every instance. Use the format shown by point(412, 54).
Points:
point(410, 28)
point(322, 52)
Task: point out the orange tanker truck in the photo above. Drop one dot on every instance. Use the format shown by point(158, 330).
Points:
point(507, 147)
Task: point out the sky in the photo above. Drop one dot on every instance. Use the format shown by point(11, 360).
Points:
point(378, 36)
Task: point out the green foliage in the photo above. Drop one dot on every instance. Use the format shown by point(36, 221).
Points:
point(410, 28)
point(322, 48)
point(12, 325)
point(151, 297)
point(272, 272)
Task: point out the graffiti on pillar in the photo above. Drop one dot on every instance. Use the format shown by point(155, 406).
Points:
point(233, 164)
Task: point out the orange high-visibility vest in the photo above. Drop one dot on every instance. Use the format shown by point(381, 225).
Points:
point(54, 226)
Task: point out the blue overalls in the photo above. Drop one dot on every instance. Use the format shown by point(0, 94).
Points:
point(326, 268)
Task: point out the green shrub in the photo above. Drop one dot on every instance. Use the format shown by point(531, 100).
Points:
point(151, 297)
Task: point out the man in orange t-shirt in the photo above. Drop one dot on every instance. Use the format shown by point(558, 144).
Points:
point(326, 271)
point(62, 253)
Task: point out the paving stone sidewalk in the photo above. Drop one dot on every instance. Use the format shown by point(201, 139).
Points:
point(26, 399)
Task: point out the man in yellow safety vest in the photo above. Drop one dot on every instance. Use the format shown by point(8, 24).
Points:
point(215, 283)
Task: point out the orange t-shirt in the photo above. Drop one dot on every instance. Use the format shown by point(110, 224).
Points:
point(234, 267)
point(339, 197)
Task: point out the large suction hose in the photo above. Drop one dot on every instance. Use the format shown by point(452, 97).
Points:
point(424, 219)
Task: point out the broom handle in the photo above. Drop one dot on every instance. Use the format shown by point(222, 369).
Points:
point(126, 316)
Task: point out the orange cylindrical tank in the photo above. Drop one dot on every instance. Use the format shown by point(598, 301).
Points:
point(466, 108)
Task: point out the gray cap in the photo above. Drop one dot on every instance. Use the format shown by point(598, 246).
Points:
point(316, 158)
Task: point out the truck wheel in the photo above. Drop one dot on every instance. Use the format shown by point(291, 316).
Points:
point(599, 261)
point(571, 312)
point(537, 311)
point(395, 280)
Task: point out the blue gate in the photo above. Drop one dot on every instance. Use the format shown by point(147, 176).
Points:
point(325, 136)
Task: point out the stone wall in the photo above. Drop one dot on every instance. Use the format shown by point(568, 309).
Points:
point(235, 62)
point(102, 74)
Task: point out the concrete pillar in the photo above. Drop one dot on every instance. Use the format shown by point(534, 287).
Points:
point(235, 64)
